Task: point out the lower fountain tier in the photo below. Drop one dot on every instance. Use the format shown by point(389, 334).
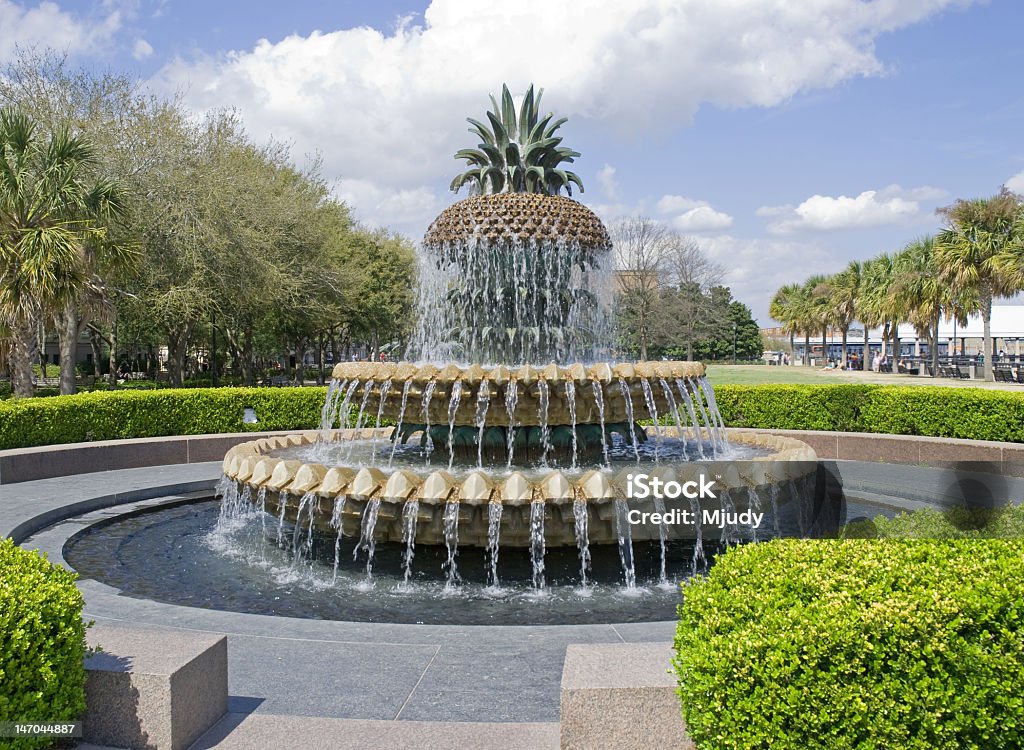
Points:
point(461, 395)
point(605, 520)
point(605, 496)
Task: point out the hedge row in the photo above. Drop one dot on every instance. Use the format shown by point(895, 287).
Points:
point(136, 414)
point(912, 410)
point(42, 643)
point(912, 644)
point(972, 413)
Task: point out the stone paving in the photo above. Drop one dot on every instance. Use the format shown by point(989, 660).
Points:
point(280, 667)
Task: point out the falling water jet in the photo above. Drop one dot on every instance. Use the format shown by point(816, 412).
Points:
point(451, 542)
point(773, 496)
point(570, 402)
point(410, 513)
point(282, 504)
point(659, 507)
point(712, 428)
point(493, 538)
point(366, 539)
point(483, 401)
point(698, 545)
point(629, 418)
point(367, 390)
point(599, 400)
point(693, 415)
point(511, 399)
point(625, 542)
point(674, 409)
point(453, 408)
point(537, 548)
point(543, 404)
point(652, 409)
point(754, 501)
point(336, 523)
point(384, 390)
point(428, 444)
point(709, 393)
point(397, 435)
point(582, 524)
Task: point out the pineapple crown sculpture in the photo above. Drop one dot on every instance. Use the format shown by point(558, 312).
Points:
point(519, 153)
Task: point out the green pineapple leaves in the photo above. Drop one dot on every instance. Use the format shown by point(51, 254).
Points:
point(518, 152)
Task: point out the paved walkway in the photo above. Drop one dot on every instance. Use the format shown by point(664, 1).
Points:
point(384, 678)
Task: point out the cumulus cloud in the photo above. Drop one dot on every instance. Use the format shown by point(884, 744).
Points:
point(689, 215)
point(46, 25)
point(871, 208)
point(387, 107)
point(756, 268)
point(1016, 183)
point(606, 176)
point(142, 49)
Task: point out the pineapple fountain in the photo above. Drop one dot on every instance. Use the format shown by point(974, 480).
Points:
point(510, 429)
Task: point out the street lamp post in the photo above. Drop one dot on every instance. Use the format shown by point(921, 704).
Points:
point(734, 342)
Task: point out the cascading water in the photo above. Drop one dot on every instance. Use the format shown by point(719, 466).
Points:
point(410, 513)
point(582, 529)
point(451, 542)
point(401, 420)
point(537, 547)
point(599, 400)
point(625, 543)
point(630, 421)
point(494, 540)
point(367, 541)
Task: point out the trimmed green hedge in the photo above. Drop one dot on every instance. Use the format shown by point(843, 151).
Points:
point(135, 414)
point(972, 413)
point(856, 644)
point(42, 642)
point(955, 523)
point(907, 410)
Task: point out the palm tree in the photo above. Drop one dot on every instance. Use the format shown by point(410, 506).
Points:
point(982, 250)
point(49, 221)
point(785, 308)
point(878, 307)
point(820, 314)
point(519, 152)
point(845, 287)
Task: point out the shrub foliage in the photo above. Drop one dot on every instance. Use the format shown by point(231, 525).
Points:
point(906, 410)
point(935, 411)
point(135, 414)
point(42, 642)
point(860, 643)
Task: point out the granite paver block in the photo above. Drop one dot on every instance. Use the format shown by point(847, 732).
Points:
point(151, 688)
point(620, 695)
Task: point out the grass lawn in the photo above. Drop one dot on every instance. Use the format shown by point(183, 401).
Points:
point(759, 374)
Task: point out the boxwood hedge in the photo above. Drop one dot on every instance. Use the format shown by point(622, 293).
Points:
point(908, 410)
point(904, 643)
point(42, 642)
point(973, 413)
point(134, 414)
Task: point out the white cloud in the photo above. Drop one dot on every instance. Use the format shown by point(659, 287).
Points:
point(822, 212)
point(142, 49)
point(606, 176)
point(388, 108)
point(410, 210)
point(1016, 183)
point(46, 25)
point(756, 268)
point(925, 193)
point(692, 215)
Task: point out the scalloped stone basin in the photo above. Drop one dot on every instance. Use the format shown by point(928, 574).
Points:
point(333, 499)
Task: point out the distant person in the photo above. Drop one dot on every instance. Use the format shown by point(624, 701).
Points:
point(785, 359)
point(876, 363)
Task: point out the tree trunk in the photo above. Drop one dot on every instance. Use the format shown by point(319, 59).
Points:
point(935, 345)
point(846, 332)
point(96, 344)
point(214, 375)
point(112, 354)
point(895, 342)
point(824, 344)
point(320, 359)
point(807, 349)
point(300, 361)
point(865, 365)
point(23, 343)
point(176, 347)
point(41, 348)
point(67, 339)
point(792, 345)
point(985, 297)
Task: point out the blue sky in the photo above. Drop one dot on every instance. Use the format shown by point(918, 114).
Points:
point(786, 137)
